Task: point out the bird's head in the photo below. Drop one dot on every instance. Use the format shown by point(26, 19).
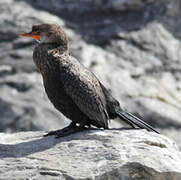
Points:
point(48, 33)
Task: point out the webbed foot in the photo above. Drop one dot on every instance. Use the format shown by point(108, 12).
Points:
point(72, 128)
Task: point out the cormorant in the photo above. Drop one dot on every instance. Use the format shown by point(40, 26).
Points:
point(73, 89)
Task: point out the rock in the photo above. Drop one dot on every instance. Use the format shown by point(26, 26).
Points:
point(16, 51)
point(93, 154)
point(24, 105)
point(133, 47)
point(88, 6)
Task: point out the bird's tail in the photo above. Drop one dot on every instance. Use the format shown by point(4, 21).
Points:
point(133, 120)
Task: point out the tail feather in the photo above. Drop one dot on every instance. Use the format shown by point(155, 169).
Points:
point(133, 120)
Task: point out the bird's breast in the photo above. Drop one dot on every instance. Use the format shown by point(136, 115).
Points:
point(45, 63)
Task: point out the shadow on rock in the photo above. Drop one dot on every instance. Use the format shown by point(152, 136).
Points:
point(32, 146)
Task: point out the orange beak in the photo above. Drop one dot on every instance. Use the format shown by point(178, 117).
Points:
point(34, 35)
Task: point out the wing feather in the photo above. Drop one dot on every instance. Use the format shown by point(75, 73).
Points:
point(85, 90)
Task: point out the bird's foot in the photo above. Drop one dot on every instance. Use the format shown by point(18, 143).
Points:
point(72, 128)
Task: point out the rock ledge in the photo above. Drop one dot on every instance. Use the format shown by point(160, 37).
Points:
point(93, 154)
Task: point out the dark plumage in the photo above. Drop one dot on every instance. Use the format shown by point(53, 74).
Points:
point(71, 87)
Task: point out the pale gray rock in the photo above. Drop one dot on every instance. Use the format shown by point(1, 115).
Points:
point(133, 47)
point(24, 105)
point(16, 51)
point(94, 155)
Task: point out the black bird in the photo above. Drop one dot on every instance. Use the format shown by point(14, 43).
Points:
point(73, 89)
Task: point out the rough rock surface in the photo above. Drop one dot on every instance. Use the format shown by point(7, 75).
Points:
point(132, 46)
point(24, 105)
point(93, 155)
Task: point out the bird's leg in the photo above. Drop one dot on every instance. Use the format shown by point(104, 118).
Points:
point(72, 128)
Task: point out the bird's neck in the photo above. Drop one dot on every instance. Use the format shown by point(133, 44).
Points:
point(61, 48)
point(44, 56)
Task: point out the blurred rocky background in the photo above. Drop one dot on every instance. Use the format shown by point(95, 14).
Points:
point(133, 46)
